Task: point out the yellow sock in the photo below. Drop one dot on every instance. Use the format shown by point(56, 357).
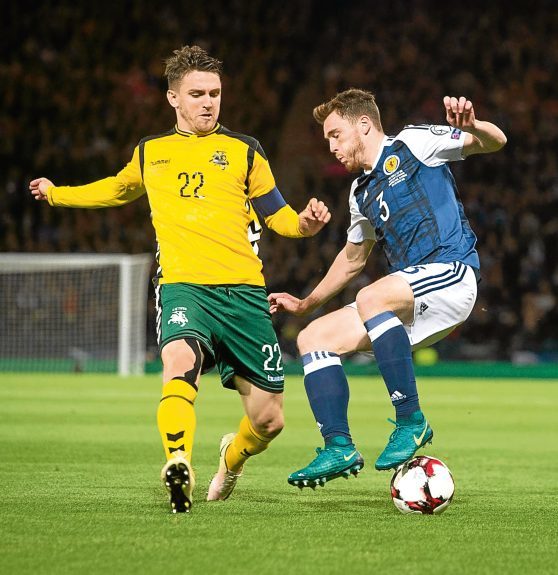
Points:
point(245, 444)
point(176, 417)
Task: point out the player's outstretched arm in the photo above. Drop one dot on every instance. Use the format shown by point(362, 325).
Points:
point(112, 191)
point(123, 188)
point(349, 262)
point(483, 137)
point(39, 188)
point(313, 218)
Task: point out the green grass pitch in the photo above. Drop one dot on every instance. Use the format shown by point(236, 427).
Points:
point(79, 473)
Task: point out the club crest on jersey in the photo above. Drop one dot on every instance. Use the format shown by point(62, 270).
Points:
point(178, 316)
point(219, 158)
point(391, 163)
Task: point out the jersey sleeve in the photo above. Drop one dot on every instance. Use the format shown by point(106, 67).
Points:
point(118, 190)
point(260, 177)
point(267, 200)
point(434, 145)
point(360, 228)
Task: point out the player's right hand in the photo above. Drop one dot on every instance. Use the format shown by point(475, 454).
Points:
point(39, 188)
point(285, 302)
point(460, 112)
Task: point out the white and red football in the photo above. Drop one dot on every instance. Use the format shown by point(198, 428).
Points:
point(422, 485)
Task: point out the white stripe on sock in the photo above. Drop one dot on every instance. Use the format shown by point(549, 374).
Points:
point(321, 363)
point(379, 330)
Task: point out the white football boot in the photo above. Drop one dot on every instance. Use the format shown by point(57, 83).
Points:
point(224, 480)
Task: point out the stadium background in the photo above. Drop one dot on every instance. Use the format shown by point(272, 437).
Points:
point(81, 84)
point(80, 456)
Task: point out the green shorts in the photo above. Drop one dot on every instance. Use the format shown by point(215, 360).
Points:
point(232, 324)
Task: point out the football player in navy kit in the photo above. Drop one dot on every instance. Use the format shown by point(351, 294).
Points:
point(406, 201)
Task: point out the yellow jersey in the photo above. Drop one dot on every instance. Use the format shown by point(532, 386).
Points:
point(205, 193)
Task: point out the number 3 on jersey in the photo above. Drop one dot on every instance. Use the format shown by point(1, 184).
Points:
point(384, 216)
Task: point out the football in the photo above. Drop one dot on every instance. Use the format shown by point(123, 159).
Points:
point(422, 485)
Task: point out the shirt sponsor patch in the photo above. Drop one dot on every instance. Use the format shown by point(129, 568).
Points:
point(455, 134)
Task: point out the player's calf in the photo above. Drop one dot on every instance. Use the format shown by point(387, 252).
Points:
point(234, 451)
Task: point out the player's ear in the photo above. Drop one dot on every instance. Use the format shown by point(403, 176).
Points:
point(364, 124)
point(172, 97)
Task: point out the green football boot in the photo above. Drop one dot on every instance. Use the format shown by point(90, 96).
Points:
point(410, 434)
point(339, 459)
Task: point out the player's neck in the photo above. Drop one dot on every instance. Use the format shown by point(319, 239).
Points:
point(373, 150)
point(188, 128)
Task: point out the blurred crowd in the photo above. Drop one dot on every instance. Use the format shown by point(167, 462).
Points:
point(79, 90)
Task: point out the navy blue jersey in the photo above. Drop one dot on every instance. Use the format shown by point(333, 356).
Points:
point(408, 202)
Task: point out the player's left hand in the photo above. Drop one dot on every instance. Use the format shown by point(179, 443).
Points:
point(314, 217)
point(460, 113)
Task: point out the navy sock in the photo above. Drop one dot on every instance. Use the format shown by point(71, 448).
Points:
point(328, 393)
point(393, 353)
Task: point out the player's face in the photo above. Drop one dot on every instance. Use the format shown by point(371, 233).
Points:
point(344, 141)
point(197, 101)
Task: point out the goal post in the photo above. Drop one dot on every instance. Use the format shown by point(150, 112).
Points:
point(73, 312)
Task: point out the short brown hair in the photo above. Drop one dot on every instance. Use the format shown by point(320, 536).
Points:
point(351, 104)
point(189, 59)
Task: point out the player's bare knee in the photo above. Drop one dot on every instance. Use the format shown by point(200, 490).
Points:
point(269, 424)
point(182, 359)
point(302, 340)
point(312, 338)
point(389, 294)
point(370, 301)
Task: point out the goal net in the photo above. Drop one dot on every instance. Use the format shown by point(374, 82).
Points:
point(70, 312)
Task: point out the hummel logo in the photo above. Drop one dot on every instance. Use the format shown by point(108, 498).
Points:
point(347, 457)
point(418, 440)
point(397, 395)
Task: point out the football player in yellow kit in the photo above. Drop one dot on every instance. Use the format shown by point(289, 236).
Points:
point(206, 187)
